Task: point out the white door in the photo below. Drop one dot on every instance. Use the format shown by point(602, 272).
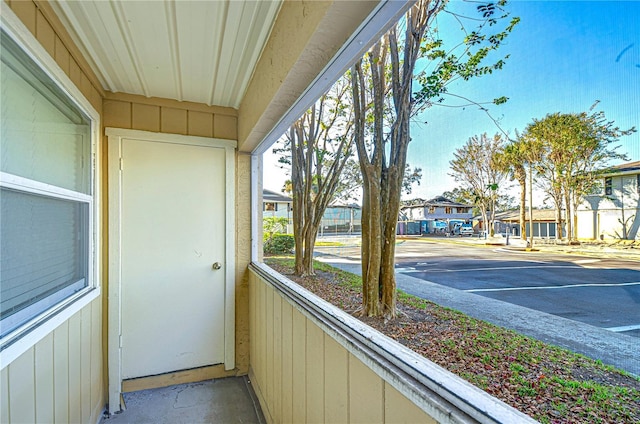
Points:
point(172, 233)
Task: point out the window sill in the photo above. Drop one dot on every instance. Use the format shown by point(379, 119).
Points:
point(12, 348)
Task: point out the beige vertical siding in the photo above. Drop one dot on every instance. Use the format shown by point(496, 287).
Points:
point(364, 385)
point(302, 374)
point(169, 116)
point(59, 380)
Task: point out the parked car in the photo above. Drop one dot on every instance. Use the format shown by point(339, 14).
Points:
point(466, 230)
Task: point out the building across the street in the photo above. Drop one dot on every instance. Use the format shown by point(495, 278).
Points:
point(434, 216)
point(276, 204)
point(614, 212)
point(338, 218)
point(544, 223)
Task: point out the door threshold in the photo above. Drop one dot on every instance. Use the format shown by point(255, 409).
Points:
point(193, 375)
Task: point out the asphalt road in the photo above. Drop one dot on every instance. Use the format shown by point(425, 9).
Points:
point(603, 292)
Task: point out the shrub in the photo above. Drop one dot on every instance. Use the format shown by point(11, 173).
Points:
point(274, 225)
point(279, 244)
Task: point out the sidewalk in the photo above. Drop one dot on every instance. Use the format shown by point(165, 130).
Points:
point(611, 348)
point(608, 250)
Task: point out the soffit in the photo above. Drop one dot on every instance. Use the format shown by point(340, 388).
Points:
point(197, 51)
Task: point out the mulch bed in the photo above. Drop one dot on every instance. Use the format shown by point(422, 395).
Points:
point(547, 383)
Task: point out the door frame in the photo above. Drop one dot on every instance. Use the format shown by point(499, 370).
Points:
point(114, 304)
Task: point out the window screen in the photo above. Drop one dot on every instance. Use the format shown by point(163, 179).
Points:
point(44, 253)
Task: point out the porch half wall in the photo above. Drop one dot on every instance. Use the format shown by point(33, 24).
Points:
point(60, 378)
point(311, 362)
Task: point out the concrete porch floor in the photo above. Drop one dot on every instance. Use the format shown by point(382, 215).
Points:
point(224, 400)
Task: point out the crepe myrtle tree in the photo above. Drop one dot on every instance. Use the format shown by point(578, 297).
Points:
point(474, 165)
point(320, 145)
point(385, 101)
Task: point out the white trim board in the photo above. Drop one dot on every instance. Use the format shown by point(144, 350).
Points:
point(115, 137)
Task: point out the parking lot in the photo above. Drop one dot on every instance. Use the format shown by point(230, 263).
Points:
point(600, 291)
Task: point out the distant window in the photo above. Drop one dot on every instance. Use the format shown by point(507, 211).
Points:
point(46, 195)
point(270, 206)
point(447, 210)
point(432, 209)
point(608, 188)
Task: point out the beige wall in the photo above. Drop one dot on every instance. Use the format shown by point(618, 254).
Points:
point(302, 374)
point(169, 116)
point(60, 379)
point(602, 216)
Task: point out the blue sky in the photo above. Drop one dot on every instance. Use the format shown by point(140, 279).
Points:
point(565, 55)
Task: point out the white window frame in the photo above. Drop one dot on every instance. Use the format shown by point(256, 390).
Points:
point(15, 343)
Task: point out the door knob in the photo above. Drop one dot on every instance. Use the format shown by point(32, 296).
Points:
point(216, 265)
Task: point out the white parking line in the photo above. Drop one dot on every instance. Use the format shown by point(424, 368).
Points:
point(338, 260)
point(518, 252)
point(498, 268)
point(624, 328)
point(407, 270)
point(568, 286)
point(586, 261)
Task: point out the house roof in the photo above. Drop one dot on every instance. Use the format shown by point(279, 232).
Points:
point(627, 167)
point(339, 204)
point(439, 201)
point(514, 215)
point(272, 196)
point(443, 201)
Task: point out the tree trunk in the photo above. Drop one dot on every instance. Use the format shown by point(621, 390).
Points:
point(314, 182)
point(298, 200)
point(485, 218)
point(371, 246)
point(558, 200)
point(390, 222)
point(567, 206)
point(370, 221)
point(309, 244)
point(559, 235)
point(382, 175)
point(522, 180)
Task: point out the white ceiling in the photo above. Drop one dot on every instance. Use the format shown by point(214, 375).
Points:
point(198, 51)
